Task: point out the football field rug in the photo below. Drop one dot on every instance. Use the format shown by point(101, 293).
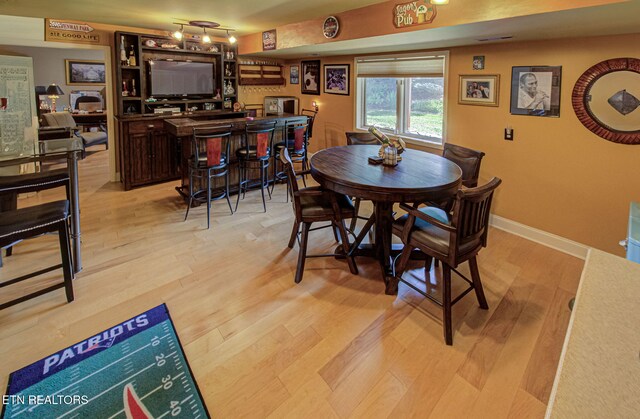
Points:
point(135, 370)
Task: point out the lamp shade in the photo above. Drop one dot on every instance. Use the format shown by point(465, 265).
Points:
point(54, 90)
point(41, 90)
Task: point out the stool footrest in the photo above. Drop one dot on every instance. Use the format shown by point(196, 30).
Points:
point(31, 275)
point(32, 295)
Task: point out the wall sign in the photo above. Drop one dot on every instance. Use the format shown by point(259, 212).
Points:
point(413, 13)
point(73, 32)
point(606, 99)
point(330, 27)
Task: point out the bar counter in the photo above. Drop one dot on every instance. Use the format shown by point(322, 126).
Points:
point(182, 130)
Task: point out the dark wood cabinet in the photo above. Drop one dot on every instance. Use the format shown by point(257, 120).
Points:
point(149, 154)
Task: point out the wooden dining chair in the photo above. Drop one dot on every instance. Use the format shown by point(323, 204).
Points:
point(313, 204)
point(451, 239)
point(469, 161)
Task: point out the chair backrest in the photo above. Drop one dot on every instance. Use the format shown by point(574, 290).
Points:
point(470, 218)
point(60, 119)
point(86, 99)
point(285, 159)
point(311, 117)
point(260, 136)
point(469, 161)
point(297, 134)
point(361, 138)
point(211, 146)
point(254, 109)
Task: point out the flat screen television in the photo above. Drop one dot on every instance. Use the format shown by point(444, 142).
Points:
point(181, 78)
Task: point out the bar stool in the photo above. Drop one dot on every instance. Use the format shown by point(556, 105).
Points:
point(255, 153)
point(11, 186)
point(24, 223)
point(295, 140)
point(210, 159)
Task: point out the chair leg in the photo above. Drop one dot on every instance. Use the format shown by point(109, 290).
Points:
point(65, 253)
point(226, 186)
point(190, 194)
point(239, 184)
point(264, 204)
point(477, 284)
point(294, 233)
point(266, 178)
point(351, 261)
point(304, 167)
point(208, 199)
point(446, 303)
point(334, 228)
point(354, 220)
point(428, 261)
point(302, 252)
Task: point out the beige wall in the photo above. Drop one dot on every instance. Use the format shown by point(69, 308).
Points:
point(557, 176)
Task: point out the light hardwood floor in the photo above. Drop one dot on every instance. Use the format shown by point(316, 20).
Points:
point(261, 346)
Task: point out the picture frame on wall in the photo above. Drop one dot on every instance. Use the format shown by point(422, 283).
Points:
point(535, 90)
point(479, 89)
point(310, 77)
point(294, 74)
point(269, 40)
point(336, 79)
point(85, 72)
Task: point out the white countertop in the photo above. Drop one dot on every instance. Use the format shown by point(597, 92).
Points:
point(599, 371)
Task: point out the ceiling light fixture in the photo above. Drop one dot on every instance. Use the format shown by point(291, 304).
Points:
point(204, 24)
point(439, 1)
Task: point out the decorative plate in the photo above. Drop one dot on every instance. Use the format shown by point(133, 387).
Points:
point(151, 43)
point(330, 27)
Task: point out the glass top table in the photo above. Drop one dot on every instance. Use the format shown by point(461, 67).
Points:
point(66, 148)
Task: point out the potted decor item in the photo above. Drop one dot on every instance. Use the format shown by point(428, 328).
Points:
point(391, 147)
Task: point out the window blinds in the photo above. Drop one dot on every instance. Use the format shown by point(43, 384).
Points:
point(400, 66)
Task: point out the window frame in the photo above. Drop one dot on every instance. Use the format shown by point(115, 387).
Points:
point(402, 102)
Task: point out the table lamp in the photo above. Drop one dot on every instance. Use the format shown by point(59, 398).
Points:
point(54, 91)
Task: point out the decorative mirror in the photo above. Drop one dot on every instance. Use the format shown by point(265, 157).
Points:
point(606, 99)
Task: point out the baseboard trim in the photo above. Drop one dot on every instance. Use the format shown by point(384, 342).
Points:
point(553, 241)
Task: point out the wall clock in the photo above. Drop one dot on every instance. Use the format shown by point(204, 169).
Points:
point(606, 99)
point(330, 27)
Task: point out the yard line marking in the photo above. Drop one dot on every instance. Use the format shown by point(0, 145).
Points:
point(108, 390)
point(186, 399)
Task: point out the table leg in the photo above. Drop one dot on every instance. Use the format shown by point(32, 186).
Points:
point(383, 227)
point(72, 164)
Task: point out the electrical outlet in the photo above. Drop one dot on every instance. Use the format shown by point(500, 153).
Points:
point(508, 134)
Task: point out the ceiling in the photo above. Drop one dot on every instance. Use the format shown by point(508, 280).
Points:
point(250, 16)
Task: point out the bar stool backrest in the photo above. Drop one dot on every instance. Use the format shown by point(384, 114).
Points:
point(260, 137)
point(211, 146)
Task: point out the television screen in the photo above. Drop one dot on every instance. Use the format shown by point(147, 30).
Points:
point(181, 78)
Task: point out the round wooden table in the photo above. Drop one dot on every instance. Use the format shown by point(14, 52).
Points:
point(419, 177)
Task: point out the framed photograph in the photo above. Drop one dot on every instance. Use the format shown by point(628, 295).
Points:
point(336, 79)
point(294, 74)
point(535, 90)
point(310, 77)
point(269, 40)
point(479, 89)
point(85, 72)
point(478, 62)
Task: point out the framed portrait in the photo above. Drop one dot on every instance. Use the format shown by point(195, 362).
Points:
point(535, 90)
point(85, 72)
point(294, 74)
point(336, 79)
point(478, 62)
point(479, 89)
point(269, 40)
point(310, 77)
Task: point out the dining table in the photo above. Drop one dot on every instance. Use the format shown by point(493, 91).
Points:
point(69, 150)
point(419, 177)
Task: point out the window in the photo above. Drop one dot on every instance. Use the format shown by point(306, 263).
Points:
point(402, 95)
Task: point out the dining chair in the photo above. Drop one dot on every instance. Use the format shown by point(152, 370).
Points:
point(451, 239)
point(359, 138)
point(469, 161)
point(313, 204)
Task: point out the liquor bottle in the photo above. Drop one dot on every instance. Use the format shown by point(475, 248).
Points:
point(125, 91)
point(379, 135)
point(123, 52)
point(132, 57)
point(133, 88)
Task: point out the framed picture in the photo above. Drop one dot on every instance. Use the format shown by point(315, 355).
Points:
point(294, 74)
point(310, 77)
point(535, 90)
point(85, 72)
point(269, 40)
point(479, 89)
point(478, 62)
point(336, 79)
